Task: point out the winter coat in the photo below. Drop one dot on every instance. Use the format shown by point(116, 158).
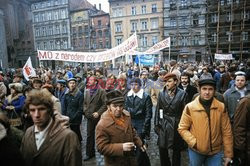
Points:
point(232, 98)
point(224, 82)
point(191, 91)
point(110, 138)
point(241, 128)
point(61, 147)
point(95, 103)
point(61, 96)
point(73, 107)
point(209, 134)
point(16, 101)
point(140, 110)
point(166, 126)
point(3, 90)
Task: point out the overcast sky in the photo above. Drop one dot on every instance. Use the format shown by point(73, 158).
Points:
point(105, 4)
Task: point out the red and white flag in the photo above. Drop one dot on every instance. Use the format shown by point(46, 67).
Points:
point(28, 70)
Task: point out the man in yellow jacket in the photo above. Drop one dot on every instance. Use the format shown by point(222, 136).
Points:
point(206, 128)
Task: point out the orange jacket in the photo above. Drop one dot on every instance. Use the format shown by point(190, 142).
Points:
point(209, 135)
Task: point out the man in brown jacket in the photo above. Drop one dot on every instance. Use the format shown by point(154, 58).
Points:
point(94, 106)
point(47, 142)
point(206, 128)
point(116, 139)
point(241, 130)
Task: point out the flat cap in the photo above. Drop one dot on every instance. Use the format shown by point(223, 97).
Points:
point(72, 79)
point(61, 82)
point(207, 82)
point(114, 97)
point(169, 75)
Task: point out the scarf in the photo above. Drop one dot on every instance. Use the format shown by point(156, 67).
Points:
point(118, 121)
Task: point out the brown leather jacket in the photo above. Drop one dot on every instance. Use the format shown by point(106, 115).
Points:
point(207, 135)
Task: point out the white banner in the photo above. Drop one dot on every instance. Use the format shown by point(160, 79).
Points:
point(91, 57)
point(159, 46)
point(223, 56)
point(28, 70)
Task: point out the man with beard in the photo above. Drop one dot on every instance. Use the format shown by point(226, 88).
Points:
point(73, 107)
point(94, 106)
point(170, 104)
point(185, 85)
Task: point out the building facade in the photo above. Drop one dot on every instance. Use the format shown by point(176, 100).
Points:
point(229, 27)
point(145, 17)
point(51, 25)
point(16, 17)
point(185, 23)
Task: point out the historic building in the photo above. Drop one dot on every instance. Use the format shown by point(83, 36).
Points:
point(145, 17)
point(185, 23)
point(16, 33)
point(229, 27)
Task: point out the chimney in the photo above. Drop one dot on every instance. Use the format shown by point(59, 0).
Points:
point(100, 6)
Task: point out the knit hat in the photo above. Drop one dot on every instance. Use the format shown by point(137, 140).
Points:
point(114, 97)
point(203, 82)
point(17, 86)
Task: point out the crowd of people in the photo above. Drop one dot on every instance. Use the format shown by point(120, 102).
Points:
point(201, 108)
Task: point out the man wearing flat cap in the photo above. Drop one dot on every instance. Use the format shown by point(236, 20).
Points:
point(206, 128)
point(60, 91)
point(170, 104)
point(116, 139)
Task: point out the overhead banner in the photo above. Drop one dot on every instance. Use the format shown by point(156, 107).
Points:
point(91, 57)
point(159, 46)
point(223, 56)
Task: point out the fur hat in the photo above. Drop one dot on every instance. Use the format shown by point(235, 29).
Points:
point(17, 86)
point(114, 97)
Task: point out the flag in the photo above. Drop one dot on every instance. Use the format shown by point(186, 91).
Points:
point(28, 70)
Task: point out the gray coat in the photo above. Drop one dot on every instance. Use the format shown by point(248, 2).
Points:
point(232, 98)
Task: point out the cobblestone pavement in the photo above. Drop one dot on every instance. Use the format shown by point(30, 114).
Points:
point(152, 150)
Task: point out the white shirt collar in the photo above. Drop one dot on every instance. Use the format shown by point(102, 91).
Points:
point(139, 93)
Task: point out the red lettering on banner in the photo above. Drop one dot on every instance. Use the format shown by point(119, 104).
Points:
point(42, 56)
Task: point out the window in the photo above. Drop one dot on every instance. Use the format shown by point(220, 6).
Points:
point(214, 37)
point(143, 9)
point(56, 15)
point(183, 3)
point(49, 16)
point(154, 8)
point(183, 21)
point(144, 25)
point(64, 28)
point(154, 40)
point(229, 2)
point(94, 44)
point(229, 36)
point(43, 31)
point(118, 40)
point(99, 23)
point(86, 30)
point(118, 27)
point(100, 33)
point(38, 46)
point(86, 43)
point(196, 40)
point(80, 31)
point(214, 18)
point(45, 45)
point(173, 41)
point(100, 44)
point(184, 40)
point(154, 24)
point(172, 4)
point(37, 32)
point(133, 10)
point(36, 18)
point(222, 2)
point(57, 30)
point(42, 17)
point(237, 1)
point(201, 19)
point(58, 44)
point(144, 41)
point(80, 42)
point(195, 20)
point(172, 22)
point(229, 16)
point(106, 32)
point(245, 15)
point(63, 14)
point(107, 44)
point(133, 26)
point(50, 30)
point(244, 36)
point(74, 30)
point(52, 46)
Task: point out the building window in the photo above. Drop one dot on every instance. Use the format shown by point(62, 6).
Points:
point(118, 27)
point(50, 30)
point(86, 30)
point(154, 40)
point(183, 21)
point(244, 36)
point(38, 46)
point(100, 33)
point(49, 15)
point(183, 3)
point(144, 41)
point(172, 22)
point(36, 18)
point(57, 30)
point(80, 31)
point(118, 40)
point(214, 18)
point(222, 2)
point(144, 25)
point(245, 15)
point(99, 23)
point(86, 43)
point(45, 45)
point(107, 44)
point(51, 43)
point(229, 16)
point(214, 37)
point(80, 42)
point(43, 31)
point(58, 44)
point(229, 2)
point(100, 44)
point(229, 36)
point(184, 40)
point(154, 8)
point(196, 40)
point(237, 1)
point(201, 20)
point(154, 24)
point(195, 20)
point(64, 28)
point(133, 26)
point(143, 9)
point(172, 4)
point(133, 10)
point(37, 32)
point(173, 41)
point(56, 15)
point(106, 33)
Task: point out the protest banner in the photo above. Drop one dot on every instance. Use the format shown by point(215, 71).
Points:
point(28, 70)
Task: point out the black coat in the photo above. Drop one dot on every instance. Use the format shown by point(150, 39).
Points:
point(191, 91)
point(166, 127)
point(141, 113)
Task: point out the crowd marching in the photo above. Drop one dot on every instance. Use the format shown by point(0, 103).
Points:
point(201, 108)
